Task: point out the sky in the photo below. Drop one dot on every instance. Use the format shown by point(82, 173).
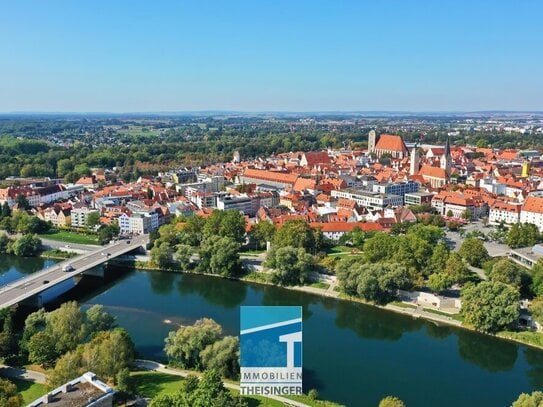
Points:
point(270, 55)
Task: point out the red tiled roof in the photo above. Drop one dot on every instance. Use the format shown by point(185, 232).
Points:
point(347, 227)
point(274, 176)
point(391, 142)
point(434, 172)
point(533, 204)
point(317, 157)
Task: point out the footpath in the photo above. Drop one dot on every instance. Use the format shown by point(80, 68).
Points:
point(159, 367)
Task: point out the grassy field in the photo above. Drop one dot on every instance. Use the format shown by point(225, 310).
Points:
point(531, 338)
point(30, 391)
point(70, 237)
point(152, 384)
point(340, 249)
point(320, 284)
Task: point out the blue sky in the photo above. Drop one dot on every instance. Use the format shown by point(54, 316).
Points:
point(254, 55)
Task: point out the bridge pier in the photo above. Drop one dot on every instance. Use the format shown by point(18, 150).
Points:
point(95, 271)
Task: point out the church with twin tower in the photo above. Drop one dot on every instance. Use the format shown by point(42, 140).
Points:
point(394, 146)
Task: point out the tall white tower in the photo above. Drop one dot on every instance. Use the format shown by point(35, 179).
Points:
point(414, 162)
point(371, 141)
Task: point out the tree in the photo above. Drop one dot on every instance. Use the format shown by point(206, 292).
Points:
point(41, 350)
point(536, 309)
point(9, 396)
point(223, 356)
point(391, 401)
point(162, 255)
point(26, 246)
point(108, 353)
point(456, 270)
point(313, 394)
point(438, 282)
point(490, 306)
point(204, 392)
point(211, 392)
point(183, 346)
point(99, 320)
point(529, 400)
point(430, 233)
point(68, 366)
point(225, 258)
point(507, 272)
point(107, 232)
point(537, 278)
point(22, 202)
point(6, 210)
point(374, 282)
point(219, 255)
point(291, 266)
point(438, 261)
point(225, 224)
point(263, 232)
point(380, 247)
point(183, 254)
point(522, 235)
point(473, 251)
point(295, 233)
point(5, 243)
point(125, 384)
point(92, 220)
point(449, 213)
point(467, 215)
point(66, 327)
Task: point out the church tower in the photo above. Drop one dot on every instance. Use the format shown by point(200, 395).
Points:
point(446, 159)
point(414, 162)
point(372, 140)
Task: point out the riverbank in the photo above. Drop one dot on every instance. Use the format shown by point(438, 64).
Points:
point(523, 338)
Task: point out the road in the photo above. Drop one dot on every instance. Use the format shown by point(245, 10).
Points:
point(74, 247)
point(21, 289)
point(159, 367)
point(22, 374)
point(494, 249)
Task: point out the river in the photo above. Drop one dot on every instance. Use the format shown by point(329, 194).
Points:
point(353, 353)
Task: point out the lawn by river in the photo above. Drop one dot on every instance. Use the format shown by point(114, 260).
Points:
point(353, 354)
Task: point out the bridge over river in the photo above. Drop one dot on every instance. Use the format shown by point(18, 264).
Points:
point(46, 279)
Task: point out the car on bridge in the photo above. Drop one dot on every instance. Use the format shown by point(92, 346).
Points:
point(67, 268)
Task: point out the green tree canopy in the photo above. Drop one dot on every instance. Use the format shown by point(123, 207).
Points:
point(490, 306)
point(183, 347)
point(529, 400)
point(522, 235)
point(473, 251)
point(9, 396)
point(222, 356)
point(291, 265)
point(391, 401)
point(506, 272)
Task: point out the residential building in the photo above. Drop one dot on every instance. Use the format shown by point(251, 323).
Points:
point(80, 214)
point(397, 188)
point(370, 200)
point(532, 211)
point(274, 178)
point(418, 198)
point(505, 212)
point(84, 391)
point(241, 203)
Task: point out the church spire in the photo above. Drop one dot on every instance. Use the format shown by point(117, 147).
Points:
point(446, 158)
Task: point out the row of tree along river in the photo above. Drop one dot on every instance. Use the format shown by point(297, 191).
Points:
point(353, 353)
